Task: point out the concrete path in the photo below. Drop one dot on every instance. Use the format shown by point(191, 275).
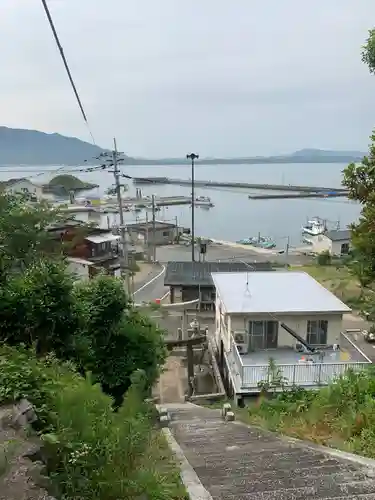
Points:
point(236, 462)
point(170, 386)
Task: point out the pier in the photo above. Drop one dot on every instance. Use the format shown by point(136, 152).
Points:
point(112, 206)
point(240, 185)
point(339, 194)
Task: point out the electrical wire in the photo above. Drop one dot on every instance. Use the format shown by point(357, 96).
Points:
point(67, 69)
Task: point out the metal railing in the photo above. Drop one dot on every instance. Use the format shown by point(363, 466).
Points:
point(237, 358)
point(305, 375)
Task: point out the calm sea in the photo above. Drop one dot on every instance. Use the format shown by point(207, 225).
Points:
point(235, 216)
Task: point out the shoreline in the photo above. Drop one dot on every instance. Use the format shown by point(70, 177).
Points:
point(252, 248)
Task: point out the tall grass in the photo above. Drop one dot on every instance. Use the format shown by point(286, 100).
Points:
point(341, 414)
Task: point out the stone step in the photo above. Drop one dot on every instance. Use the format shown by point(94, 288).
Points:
point(322, 482)
point(295, 494)
point(237, 462)
point(244, 471)
point(256, 459)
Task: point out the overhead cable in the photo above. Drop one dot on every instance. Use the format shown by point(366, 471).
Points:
point(49, 17)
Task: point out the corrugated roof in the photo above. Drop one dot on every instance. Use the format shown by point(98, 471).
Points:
point(277, 292)
point(102, 238)
point(338, 235)
point(199, 273)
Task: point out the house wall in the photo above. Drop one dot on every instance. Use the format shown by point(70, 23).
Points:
point(163, 236)
point(80, 270)
point(336, 246)
point(25, 186)
point(323, 244)
point(231, 323)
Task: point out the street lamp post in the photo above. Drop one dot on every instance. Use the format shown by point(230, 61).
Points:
point(192, 157)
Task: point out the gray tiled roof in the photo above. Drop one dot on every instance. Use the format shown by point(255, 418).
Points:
point(279, 292)
point(338, 235)
point(199, 273)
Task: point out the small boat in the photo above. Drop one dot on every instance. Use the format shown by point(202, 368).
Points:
point(259, 241)
point(314, 227)
point(203, 201)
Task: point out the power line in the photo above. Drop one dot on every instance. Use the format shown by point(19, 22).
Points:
point(59, 46)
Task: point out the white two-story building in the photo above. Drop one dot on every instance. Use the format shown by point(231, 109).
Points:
point(286, 316)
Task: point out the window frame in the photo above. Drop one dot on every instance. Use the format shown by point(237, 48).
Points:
point(316, 331)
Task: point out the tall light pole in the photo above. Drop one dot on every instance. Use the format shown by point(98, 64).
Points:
point(192, 157)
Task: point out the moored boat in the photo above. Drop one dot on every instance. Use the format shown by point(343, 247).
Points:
point(259, 241)
point(314, 227)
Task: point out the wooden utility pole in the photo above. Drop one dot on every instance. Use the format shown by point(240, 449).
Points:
point(124, 263)
point(147, 246)
point(153, 229)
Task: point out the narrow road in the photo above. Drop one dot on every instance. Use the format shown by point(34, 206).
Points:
point(152, 287)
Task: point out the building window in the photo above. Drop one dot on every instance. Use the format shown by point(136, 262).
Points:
point(344, 248)
point(165, 233)
point(263, 334)
point(317, 332)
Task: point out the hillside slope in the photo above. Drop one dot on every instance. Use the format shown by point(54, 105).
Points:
point(30, 147)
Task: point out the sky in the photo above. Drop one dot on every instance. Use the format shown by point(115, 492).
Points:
point(217, 77)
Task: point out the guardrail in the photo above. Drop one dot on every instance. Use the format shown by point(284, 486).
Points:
point(304, 375)
point(237, 358)
point(301, 374)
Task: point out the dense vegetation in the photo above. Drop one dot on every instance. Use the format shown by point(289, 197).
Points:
point(91, 452)
point(360, 180)
point(64, 183)
point(341, 415)
point(86, 359)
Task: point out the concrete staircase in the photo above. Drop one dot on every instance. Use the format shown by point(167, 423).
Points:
point(236, 462)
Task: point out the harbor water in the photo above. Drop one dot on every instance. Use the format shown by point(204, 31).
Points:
point(234, 216)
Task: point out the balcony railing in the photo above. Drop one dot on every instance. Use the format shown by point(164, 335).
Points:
point(304, 375)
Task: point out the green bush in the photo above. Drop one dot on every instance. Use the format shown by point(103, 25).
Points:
point(324, 258)
point(342, 414)
point(93, 453)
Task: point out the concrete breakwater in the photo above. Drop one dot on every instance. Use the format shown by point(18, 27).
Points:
point(244, 185)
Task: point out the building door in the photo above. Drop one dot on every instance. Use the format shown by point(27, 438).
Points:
point(263, 335)
point(272, 330)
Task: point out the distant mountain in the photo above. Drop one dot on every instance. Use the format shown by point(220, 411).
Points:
point(327, 153)
point(30, 147)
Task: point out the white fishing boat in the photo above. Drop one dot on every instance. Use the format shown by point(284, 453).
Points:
point(314, 227)
point(203, 201)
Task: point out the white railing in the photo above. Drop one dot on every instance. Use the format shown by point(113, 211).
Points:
point(300, 374)
point(237, 358)
point(305, 375)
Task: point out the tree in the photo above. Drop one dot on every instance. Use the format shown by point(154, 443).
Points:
point(38, 308)
point(360, 181)
point(93, 324)
point(23, 231)
point(120, 339)
point(368, 51)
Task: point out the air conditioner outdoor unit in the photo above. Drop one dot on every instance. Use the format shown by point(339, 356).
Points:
point(240, 337)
